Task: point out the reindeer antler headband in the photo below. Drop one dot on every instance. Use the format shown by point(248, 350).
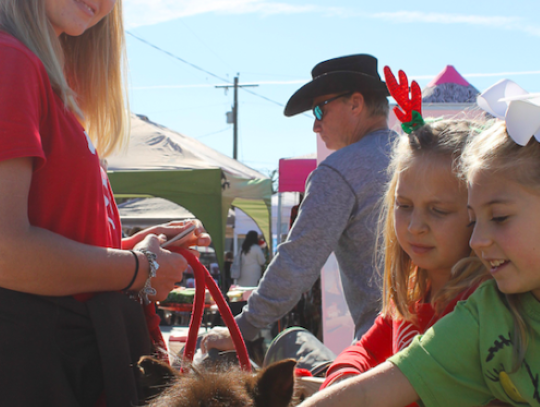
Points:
point(521, 110)
point(410, 114)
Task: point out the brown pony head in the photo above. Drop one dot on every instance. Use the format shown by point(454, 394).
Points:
point(223, 386)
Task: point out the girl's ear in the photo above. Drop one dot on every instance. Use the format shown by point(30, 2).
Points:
point(275, 384)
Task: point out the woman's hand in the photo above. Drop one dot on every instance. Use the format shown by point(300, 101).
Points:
point(198, 237)
point(170, 271)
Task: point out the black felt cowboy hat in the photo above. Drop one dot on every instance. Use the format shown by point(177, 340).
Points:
point(349, 73)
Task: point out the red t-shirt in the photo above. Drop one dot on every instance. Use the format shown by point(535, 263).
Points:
point(385, 338)
point(69, 193)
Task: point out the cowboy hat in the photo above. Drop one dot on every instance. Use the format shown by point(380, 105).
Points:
point(349, 73)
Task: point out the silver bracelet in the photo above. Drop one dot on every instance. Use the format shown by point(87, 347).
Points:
point(147, 289)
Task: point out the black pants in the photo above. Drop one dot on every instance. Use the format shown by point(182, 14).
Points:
point(56, 351)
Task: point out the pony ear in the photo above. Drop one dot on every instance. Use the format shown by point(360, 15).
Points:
point(275, 384)
point(154, 376)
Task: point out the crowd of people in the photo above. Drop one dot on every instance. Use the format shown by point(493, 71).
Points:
point(439, 211)
point(447, 210)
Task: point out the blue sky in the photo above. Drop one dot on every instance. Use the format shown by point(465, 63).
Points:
point(275, 44)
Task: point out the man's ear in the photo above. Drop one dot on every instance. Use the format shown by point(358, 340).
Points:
point(358, 103)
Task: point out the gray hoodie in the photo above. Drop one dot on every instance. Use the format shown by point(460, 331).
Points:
point(338, 214)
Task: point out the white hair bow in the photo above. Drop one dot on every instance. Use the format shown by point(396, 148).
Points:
point(520, 109)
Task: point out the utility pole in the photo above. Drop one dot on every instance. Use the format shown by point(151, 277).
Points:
point(235, 112)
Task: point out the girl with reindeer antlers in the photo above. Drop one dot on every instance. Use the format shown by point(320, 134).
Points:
point(70, 336)
point(424, 231)
point(487, 348)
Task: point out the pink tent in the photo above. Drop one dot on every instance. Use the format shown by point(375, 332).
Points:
point(448, 95)
point(449, 87)
point(293, 173)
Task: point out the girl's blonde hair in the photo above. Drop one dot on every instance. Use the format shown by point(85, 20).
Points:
point(87, 71)
point(493, 150)
point(403, 282)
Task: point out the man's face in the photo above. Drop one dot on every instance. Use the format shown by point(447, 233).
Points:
point(335, 127)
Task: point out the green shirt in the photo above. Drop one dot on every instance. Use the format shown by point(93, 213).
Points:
point(466, 358)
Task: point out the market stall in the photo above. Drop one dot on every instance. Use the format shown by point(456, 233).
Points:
point(159, 162)
point(177, 308)
point(293, 173)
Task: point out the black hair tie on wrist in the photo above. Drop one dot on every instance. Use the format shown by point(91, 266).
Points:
point(136, 271)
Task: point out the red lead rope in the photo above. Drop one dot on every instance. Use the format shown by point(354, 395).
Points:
point(203, 280)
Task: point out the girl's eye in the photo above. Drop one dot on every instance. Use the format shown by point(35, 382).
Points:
point(471, 223)
point(439, 211)
point(402, 206)
point(499, 219)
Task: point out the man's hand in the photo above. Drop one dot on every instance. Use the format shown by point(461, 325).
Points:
point(217, 338)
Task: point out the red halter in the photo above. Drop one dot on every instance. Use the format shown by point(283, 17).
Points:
point(203, 280)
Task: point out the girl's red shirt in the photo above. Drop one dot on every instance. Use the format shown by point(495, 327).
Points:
point(385, 338)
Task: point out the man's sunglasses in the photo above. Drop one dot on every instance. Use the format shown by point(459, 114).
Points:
point(317, 110)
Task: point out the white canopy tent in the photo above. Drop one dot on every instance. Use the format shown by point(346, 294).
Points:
point(162, 163)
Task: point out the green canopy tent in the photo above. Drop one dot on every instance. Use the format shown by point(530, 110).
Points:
point(162, 163)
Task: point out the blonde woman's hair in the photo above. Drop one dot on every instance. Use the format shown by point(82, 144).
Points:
point(493, 150)
point(86, 71)
point(403, 282)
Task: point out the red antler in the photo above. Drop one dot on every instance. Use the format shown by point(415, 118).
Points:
point(400, 92)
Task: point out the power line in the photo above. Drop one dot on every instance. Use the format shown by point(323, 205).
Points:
point(177, 57)
point(199, 68)
point(215, 132)
point(182, 21)
point(264, 97)
point(184, 108)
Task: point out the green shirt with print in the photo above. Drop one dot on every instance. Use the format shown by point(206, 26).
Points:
point(467, 358)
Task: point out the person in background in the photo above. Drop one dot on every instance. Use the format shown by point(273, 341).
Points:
point(76, 309)
point(340, 206)
point(294, 210)
point(227, 280)
point(251, 261)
